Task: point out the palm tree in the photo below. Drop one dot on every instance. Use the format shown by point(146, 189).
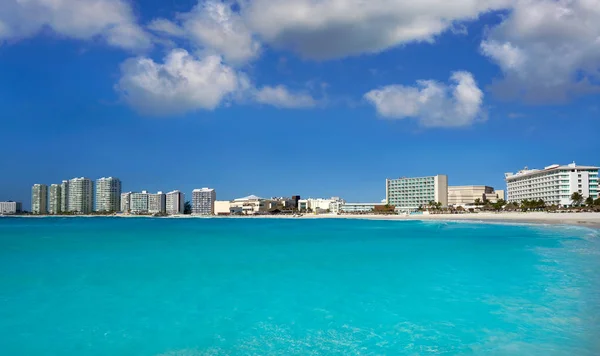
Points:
point(187, 207)
point(477, 202)
point(577, 198)
point(589, 202)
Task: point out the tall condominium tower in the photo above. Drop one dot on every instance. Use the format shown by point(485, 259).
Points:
point(108, 194)
point(81, 195)
point(54, 201)
point(139, 202)
point(39, 199)
point(408, 194)
point(175, 202)
point(64, 196)
point(203, 201)
point(157, 203)
point(126, 202)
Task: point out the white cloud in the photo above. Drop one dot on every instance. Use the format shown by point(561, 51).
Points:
point(80, 19)
point(337, 28)
point(183, 83)
point(280, 96)
point(548, 50)
point(434, 104)
point(214, 27)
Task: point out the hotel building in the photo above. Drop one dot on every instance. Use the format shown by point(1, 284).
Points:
point(139, 202)
point(54, 201)
point(467, 194)
point(359, 208)
point(157, 203)
point(10, 207)
point(175, 202)
point(39, 199)
point(554, 184)
point(408, 194)
point(64, 196)
point(126, 202)
point(108, 194)
point(81, 198)
point(203, 201)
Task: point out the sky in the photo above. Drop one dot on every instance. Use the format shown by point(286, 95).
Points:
point(282, 97)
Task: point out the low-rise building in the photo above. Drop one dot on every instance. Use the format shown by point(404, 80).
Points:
point(320, 205)
point(467, 195)
point(250, 205)
point(222, 207)
point(359, 208)
point(10, 208)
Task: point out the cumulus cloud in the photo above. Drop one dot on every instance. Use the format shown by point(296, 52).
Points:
point(280, 96)
point(181, 84)
point(81, 19)
point(337, 28)
point(213, 26)
point(548, 50)
point(433, 103)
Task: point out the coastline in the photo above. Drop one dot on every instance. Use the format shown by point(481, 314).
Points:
point(590, 220)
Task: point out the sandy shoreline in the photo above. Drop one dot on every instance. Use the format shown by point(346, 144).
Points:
point(591, 220)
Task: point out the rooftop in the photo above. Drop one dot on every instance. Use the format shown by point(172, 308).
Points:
point(526, 171)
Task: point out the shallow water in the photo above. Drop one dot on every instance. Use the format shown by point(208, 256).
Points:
point(110, 286)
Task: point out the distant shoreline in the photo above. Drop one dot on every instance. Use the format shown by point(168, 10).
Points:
point(591, 220)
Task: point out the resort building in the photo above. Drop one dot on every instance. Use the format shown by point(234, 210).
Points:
point(466, 195)
point(126, 202)
point(222, 207)
point(359, 208)
point(39, 199)
point(64, 196)
point(157, 203)
point(554, 184)
point(320, 205)
point(139, 202)
point(108, 194)
point(10, 207)
point(408, 194)
point(81, 198)
point(175, 202)
point(203, 201)
point(54, 200)
point(250, 205)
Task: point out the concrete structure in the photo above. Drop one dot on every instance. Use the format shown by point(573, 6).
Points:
point(108, 194)
point(465, 195)
point(139, 202)
point(554, 184)
point(81, 198)
point(321, 205)
point(54, 199)
point(126, 202)
point(39, 199)
point(359, 208)
point(175, 202)
point(157, 203)
point(203, 201)
point(250, 205)
point(222, 207)
point(10, 207)
point(64, 196)
point(408, 194)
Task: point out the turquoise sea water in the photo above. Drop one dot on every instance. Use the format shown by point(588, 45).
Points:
point(102, 286)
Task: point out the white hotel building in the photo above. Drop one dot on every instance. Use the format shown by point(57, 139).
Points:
point(554, 184)
point(408, 194)
point(175, 201)
point(54, 200)
point(203, 201)
point(108, 194)
point(81, 197)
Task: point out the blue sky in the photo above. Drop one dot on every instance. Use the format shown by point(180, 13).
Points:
point(278, 97)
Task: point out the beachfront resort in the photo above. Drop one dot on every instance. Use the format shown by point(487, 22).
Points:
point(555, 186)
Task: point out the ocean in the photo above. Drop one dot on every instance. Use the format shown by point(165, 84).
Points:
point(136, 286)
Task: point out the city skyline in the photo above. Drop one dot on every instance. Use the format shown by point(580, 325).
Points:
point(258, 99)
